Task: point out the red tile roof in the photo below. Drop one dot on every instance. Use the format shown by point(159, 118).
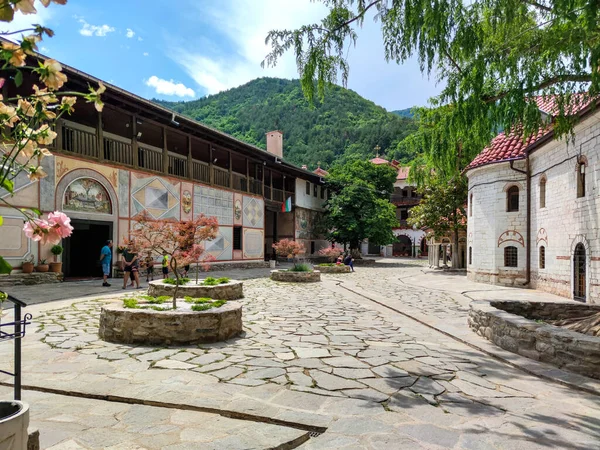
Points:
point(506, 147)
point(379, 161)
point(320, 172)
point(403, 173)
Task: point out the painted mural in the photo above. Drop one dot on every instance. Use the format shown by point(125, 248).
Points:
point(155, 195)
point(253, 244)
point(186, 201)
point(305, 223)
point(221, 247)
point(254, 212)
point(214, 203)
point(87, 195)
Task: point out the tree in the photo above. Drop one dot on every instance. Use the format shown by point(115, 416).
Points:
point(182, 241)
point(27, 122)
point(358, 206)
point(442, 209)
point(288, 248)
point(492, 58)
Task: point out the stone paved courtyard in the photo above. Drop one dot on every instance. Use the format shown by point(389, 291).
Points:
point(331, 358)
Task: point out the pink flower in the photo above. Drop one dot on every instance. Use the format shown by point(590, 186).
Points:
point(61, 222)
point(40, 230)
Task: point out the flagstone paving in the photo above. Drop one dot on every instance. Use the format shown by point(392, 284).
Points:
point(323, 358)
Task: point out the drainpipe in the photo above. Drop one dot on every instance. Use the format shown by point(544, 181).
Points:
point(527, 173)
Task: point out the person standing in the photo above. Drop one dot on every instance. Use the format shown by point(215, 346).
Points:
point(165, 265)
point(105, 260)
point(131, 267)
point(149, 263)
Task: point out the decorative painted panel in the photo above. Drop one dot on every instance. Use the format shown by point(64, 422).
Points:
point(86, 195)
point(186, 200)
point(123, 193)
point(237, 209)
point(214, 203)
point(305, 223)
point(48, 184)
point(221, 247)
point(155, 195)
point(253, 243)
point(66, 165)
point(13, 242)
point(254, 212)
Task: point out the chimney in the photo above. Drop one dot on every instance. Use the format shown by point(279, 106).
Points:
point(275, 143)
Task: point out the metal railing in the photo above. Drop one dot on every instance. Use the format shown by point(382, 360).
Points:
point(79, 141)
point(178, 166)
point(118, 151)
point(150, 159)
point(221, 177)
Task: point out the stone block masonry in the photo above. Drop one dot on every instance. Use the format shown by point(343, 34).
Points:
point(565, 349)
point(233, 290)
point(295, 277)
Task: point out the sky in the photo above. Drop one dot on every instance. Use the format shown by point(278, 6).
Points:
point(187, 49)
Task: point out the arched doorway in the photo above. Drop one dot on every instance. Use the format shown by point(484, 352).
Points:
point(579, 273)
point(403, 246)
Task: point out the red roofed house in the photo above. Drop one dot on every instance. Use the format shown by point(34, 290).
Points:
point(533, 209)
point(410, 241)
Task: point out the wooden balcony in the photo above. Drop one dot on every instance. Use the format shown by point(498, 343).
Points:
point(150, 158)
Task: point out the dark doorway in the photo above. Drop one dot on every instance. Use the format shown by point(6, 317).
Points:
point(82, 250)
point(579, 277)
point(373, 249)
point(402, 247)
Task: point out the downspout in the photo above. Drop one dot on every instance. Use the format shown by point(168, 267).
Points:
point(527, 173)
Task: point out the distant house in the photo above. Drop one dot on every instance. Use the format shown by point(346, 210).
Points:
point(533, 209)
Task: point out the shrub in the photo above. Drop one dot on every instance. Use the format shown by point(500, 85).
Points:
point(223, 280)
point(208, 305)
point(210, 281)
point(173, 281)
point(189, 299)
point(331, 253)
point(302, 267)
point(56, 250)
point(130, 303)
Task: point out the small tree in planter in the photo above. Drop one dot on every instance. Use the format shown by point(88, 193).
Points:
point(331, 253)
point(181, 241)
point(290, 249)
point(56, 266)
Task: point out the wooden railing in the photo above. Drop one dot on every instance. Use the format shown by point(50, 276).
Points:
point(277, 195)
point(255, 186)
point(79, 141)
point(240, 182)
point(178, 166)
point(150, 159)
point(200, 171)
point(267, 194)
point(118, 151)
point(221, 177)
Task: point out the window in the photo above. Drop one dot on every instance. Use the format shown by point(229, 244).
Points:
point(404, 193)
point(471, 207)
point(543, 192)
point(581, 178)
point(510, 257)
point(512, 199)
point(542, 257)
point(312, 247)
point(315, 190)
point(403, 214)
point(470, 255)
point(237, 238)
point(308, 188)
point(322, 192)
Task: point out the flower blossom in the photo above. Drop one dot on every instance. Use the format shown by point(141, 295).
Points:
point(36, 173)
point(25, 6)
point(61, 222)
point(51, 231)
point(26, 107)
point(18, 56)
point(8, 115)
point(44, 135)
point(51, 74)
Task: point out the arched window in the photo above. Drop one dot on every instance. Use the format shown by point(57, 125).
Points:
point(512, 199)
point(470, 255)
point(542, 257)
point(471, 205)
point(581, 177)
point(543, 192)
point(510, 257)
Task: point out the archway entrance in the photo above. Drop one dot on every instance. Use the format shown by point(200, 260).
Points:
point(579, 273)
point(402, 247)
point(81, 258)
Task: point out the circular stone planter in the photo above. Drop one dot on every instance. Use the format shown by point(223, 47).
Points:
point(342, 268)
point(521, 327)
point(296, 277)
point(180, 326)
point(233, 290)
point(14, 420)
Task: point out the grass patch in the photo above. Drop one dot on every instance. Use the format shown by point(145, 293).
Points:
point(301, 268)
point(174, 281)
point(130, 303)
point(155, 308)
point(210, 281)
point(205, 306)
point(223, 280)
point(327, 265)
point(189, 299)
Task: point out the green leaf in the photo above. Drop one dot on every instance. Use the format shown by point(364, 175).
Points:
point(8, 185)
point(6, 12)
point(19, 78)
point(5, 268)
point(36, 211)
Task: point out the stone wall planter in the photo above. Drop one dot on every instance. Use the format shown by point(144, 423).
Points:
point(181, 326)
point(334, 269)
point(296, 277)
point(14, 420)
point(233, 290)
point(28, 279)
point(521, 334)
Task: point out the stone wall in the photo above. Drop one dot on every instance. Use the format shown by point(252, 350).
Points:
point(546, 310)
point(334, 269)
point(143, 326)
point(233, 290)
point(296, 277)
point(566, 349)
point(27, 279)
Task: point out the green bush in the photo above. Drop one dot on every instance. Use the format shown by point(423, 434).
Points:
point(205, 306)
point(222, 280)
point(173, 281)
point(130, 303)
point(189, 299)
point(302, 267)
point(210, 281)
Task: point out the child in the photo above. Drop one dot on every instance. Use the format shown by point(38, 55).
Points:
point(149, 264)
point(165, 265)
point(340, 260)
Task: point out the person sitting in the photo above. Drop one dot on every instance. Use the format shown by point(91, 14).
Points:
point(349, 261)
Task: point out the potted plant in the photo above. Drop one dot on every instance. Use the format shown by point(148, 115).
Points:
point(42, 266)
point(27, 265)
point(56, 266)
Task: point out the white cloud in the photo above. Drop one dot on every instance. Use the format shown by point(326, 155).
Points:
point(44, 50)
point(94, 30)
point(130, 33)
point(169, 87)
point(21, 21)
point(145, 53)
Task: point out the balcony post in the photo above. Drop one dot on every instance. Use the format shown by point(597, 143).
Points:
point(189, 159)
point(247, 175)
point(230, 172)
point(58, 143)
point(100, 136)
point(211, 172)
point(271, 183)
point(165, 153)
point(134, 142)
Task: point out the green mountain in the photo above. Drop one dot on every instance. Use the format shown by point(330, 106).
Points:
point(343, 126)
point(404, 113)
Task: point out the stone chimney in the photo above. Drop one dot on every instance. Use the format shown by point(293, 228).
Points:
point(275, 143)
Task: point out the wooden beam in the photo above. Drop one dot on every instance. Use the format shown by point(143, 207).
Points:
point(134, 142)
point(189, 160)
point(247, 175)
point(230, 172)
point(100, 136)
point(58, 143)
point(211, 173)
point(165, 152)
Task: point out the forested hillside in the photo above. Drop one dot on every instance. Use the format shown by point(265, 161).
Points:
point(345, 124)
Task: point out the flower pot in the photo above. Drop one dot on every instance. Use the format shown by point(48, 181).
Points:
point(14, 420)
point(27, 267)
point(272, 263)
point(56, 267)
point(42, 268)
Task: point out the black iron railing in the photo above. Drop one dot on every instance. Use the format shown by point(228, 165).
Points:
point(15, 331)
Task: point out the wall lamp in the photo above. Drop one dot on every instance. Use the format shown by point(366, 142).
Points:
point(173, 121)
point(277, 160)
